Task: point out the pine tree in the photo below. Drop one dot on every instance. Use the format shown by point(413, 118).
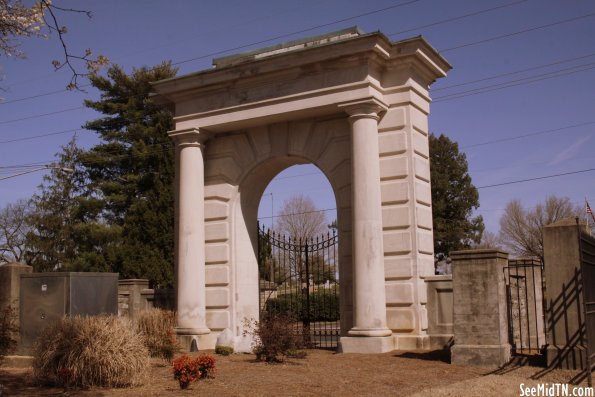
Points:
point(127, 211)
point(50, 242)
point(453, 198)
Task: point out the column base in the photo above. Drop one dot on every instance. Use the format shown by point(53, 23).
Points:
point(480, 355)
point(194, 343)
point(574, 357)
point(411, 342)
point(370, 344)
point(192, 331)
point(194, 339)
point(358, 331)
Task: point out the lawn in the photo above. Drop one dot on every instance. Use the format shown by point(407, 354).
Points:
point(321, 373)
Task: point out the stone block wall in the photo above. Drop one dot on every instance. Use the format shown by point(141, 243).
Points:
point(134, 296)
point(406, 213)
point(440, 311)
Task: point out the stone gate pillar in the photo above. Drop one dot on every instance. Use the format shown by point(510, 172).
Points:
point(480, 314)
point(370, 332)
point(190, 248)
point(565, 317)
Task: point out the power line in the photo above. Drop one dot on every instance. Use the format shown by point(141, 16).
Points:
point(40, 95)
point(35, 116)
point(513, 72)
point(575, 202)
point(518, 32)
point(240, 47)
point(528, 135)
point(438, 99)
point(298, 213)
point(41, 136)
point(513, 83)
point(457, 18)
point(365, 14)
point(332, 23)
point(536, 178)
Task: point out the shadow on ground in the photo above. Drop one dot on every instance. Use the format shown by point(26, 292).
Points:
point(434, 355)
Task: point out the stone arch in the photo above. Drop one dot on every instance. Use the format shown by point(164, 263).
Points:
point(355, 105)
point(266, 151)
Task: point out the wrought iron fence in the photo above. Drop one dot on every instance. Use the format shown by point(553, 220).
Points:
point(525, 299)
point(300, 278)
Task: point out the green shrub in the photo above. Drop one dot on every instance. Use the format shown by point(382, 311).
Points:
point(324, 305)
point(8, 331)
point(224, 350)
point(275, 338)
point(156, 327)
point(91, 351)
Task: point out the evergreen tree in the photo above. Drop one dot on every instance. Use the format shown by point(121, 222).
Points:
point(453, 198)
point(51, 240)
point(127, 211)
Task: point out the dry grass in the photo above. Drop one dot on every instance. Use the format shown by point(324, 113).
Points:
point(156, 327)
point(8, 330)
point(321, 373)
point(91, 351)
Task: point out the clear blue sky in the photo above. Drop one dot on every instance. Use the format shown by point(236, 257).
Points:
point(136, 33)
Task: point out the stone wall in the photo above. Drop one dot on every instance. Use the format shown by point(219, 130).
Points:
point(440, 311)
point(10, 287)
point(134, 296)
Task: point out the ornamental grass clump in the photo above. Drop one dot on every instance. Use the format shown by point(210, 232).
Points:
point(90, 351)
point(187, 370)
point(156, 328)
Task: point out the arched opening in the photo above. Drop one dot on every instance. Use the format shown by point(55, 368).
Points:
point(298, 262)
point(285, 272)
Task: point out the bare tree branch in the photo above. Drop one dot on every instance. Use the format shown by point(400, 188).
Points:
point(521, 231)
point(18, 20)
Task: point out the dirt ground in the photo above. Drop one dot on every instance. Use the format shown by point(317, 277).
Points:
point(321, 373)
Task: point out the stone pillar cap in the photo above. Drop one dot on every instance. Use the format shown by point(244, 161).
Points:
point(478, 254)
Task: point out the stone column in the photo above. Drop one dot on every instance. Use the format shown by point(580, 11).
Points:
point(370, 332)
point(190, 248)
point(480, 312)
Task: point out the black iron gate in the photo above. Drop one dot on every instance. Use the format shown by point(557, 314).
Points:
point(301, 279)
point(525, 299)
point(587, 258)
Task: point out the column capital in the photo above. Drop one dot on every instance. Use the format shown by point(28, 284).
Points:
point(189, 137)
point(364, 108)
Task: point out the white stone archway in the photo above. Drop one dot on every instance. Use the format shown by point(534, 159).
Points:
point(356, 106)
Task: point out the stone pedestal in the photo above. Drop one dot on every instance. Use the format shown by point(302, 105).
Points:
point(130, 303)
point(10, 283)
point(563, 298)
point(480, 311)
